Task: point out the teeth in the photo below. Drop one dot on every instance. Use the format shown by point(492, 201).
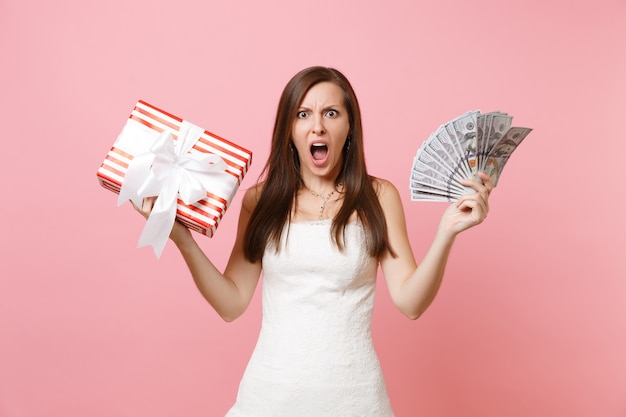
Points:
point(319, 150)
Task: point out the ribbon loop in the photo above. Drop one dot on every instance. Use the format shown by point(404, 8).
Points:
point(168, 169)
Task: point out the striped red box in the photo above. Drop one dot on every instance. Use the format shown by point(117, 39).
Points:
point(203, 216)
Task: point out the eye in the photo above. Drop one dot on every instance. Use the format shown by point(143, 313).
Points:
point(301, 114)
point(332, 113)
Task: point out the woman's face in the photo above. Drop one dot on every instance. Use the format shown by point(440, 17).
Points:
point(320, 130)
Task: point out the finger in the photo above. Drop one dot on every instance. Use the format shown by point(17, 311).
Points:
point(482, 199)
point(473, 183)
point(482, 190)
point(487, 182)
point(477, 205)
point(148, 203)
point(138, 209)
point(467, 203)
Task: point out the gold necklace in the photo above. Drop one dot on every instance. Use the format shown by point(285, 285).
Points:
point(324, 198)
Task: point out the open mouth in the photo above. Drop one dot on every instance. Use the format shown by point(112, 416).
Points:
point(319, 151)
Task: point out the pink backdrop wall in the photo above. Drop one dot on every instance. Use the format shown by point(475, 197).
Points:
point(530, 320)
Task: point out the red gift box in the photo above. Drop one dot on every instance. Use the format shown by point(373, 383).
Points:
point(142, 129)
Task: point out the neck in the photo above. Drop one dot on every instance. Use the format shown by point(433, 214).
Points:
point(321, 186)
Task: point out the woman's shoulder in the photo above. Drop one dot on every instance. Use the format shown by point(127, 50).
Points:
point(384, 188)
point(387, 193)
point(251, 196)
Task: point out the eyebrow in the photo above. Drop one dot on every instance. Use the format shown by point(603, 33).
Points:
point(330, 107)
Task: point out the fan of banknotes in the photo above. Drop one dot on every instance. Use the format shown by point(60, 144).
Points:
point(459, 149)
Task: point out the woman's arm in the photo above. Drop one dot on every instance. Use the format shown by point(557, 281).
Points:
point(412, 287)
point(229, 293)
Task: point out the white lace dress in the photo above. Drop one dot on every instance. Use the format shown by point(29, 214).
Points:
point(314, 356)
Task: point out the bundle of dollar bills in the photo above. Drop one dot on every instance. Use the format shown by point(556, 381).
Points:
point(458, 150)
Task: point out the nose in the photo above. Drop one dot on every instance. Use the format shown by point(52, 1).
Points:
point(318, 125)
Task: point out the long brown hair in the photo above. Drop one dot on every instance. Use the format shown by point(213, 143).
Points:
point(282, 178)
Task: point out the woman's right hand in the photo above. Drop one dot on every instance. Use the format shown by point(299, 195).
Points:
point(179, 233)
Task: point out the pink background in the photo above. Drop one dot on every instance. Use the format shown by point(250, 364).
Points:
point(531, 318)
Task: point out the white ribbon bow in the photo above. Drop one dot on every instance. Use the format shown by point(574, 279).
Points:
point(168, 170)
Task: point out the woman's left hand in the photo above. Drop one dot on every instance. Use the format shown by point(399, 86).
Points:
point(470, 209)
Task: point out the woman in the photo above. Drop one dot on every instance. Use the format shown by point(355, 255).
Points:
point(318, 225)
